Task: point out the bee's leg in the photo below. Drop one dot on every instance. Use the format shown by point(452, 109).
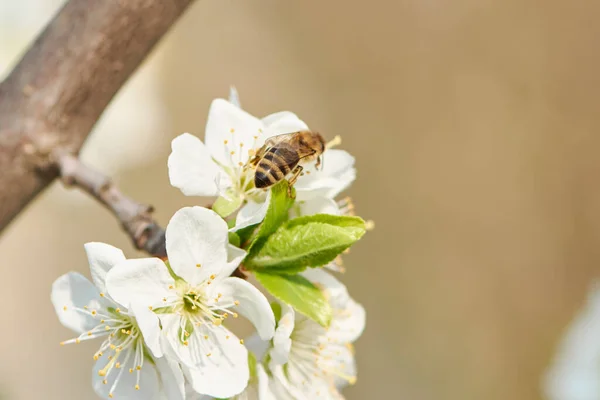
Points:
point(254, 160)
point(295, 174)
point(318, 164)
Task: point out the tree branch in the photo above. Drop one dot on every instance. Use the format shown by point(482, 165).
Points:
point(59, 89)
point(135, 217)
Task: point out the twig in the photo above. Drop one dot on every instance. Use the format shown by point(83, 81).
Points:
point(136, 218)
point(65, 80)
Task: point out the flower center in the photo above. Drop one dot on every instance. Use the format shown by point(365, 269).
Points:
point(123, 343)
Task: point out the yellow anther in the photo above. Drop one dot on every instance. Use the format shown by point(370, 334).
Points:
point(102, 321)
point(62, 343)
point(370, 225)
point(118, 310)
point(164, 299)
point(232, 130)
point(139, 367)
point(255, 137)
point(225, 141)
point(232, 152)
point(209, 354)
point(65, 308)
point(89, 333)
point(213, 276)
point(219, 295)
point(171, 286)
point(150, 308)
point(96, 357)
point(217, 322)
point(137, 387)
point(102, 372)
point(241, 341)
point(241, 144)
point(198, 265)
point(131, 370)
point(105, 381)
point(110, 395)
point(225, 316)
point(236, 302)
point(118, 365)
point(185, 343)
point(112, 346)
point(86, 307)
point(94, 312)
point(235, 315)
point(77, 341)
point(187, 334)
point(110, 358)
point(205, 336)
point(240, 164)
point(101, 294)
point(227, 337)
point(259, 130)
point(107, 328)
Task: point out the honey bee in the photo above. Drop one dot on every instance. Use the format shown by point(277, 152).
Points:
point(283, 154)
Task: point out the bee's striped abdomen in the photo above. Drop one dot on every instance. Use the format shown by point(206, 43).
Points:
point(274, 166)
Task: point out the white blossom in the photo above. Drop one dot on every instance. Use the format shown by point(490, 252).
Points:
point(193, 305)
point(218, 166)
point(128, 364)
point(575, 371)
point(305, 360)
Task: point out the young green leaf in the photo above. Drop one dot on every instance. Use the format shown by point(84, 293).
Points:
point(277, 214)
point(226, 206)
point(311, 241)
point(299, 293)
point(234, 239)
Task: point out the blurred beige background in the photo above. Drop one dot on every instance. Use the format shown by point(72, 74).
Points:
point(474, 124)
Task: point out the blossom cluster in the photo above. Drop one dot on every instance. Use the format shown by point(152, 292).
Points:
point(162, 323)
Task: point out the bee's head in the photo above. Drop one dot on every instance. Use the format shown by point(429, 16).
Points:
point(319, 142)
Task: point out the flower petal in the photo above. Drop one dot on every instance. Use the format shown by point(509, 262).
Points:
point(126, 384)
point(319, 205)
point(280, 352)
point(144, 281)
point(251, 303)
point(149, 326)
point(102, 257)
point(252, 213)
point(222, 367)
point(349, 317)
point(283, 122)
point(231, 129)
point(337, 174)
point(171, 378)
point(257, 346)
point(234, 97)
point(197, 240)
point(191, 168)
point(71, 291)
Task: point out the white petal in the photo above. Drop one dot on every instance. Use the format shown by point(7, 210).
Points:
point(349, 317)
point(144, 281)
point(252, 304)
point(264, 393)
point(282, 388)
point(283, 122)
point(171, 378)
point(257, 346)
point(102, 257)
point(72, 291)
point(191, 168)
point(280, 352)
point(319, 205)
point(227, 122)
point(252, 213)
point(125, 389)
point(336, 175)
point(197, 241)
point(149, 326)
point(225, 372)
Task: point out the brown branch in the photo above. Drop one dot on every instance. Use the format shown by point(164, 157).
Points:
point(135, 217)
point(66, 79)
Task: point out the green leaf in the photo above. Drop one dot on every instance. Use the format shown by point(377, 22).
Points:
point(226, 206)
point(252, 366)
point(277, 214)
point(299, 293)
point(234, 239)
point(311, 241)
point(246, 233)
point(276, 307)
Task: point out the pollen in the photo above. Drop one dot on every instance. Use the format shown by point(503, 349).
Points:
point(255, 137)
point(232, 130)
point(212, 276)
point(164, 299)
point(137, 387)
point(65, 308)
point(232, 152)
point(235, 315)
point(209, 354)
point(105, 381)
point(241, 144)
point(171, 286)
point(185, 343)
point(187, 334)
point(206, 337)
point(225, 141)
point(107, 328)
point(198, 265)
point(94, 312)
point(241, 341)
point(62, 343)
point(217, 322)
point(118, 310)
point(150, 308)
point(111, 395)
point(236, 302)
point(227, 337)
point(131, 370)
point(77, 341)
point(139, 367)
point(101, 294)
point(102, 372)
